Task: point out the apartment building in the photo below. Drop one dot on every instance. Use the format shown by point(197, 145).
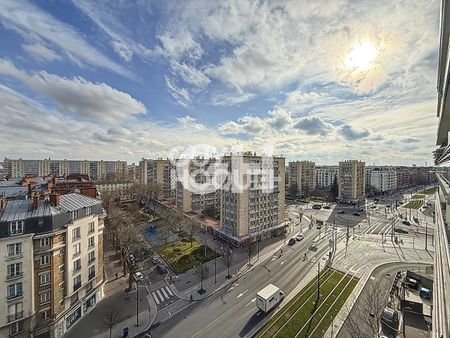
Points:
point(161, 172)
point(53, 246)
point(351, 181)
point(302, 177)
point(97, 170)
point(194, 191)
point(325, 175)
point(257, 210)
point(382, 179)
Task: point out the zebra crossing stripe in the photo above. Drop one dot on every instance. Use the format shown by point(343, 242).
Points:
point(164, 293)
point(169, 290)
point(155, 298)
point(160, 295)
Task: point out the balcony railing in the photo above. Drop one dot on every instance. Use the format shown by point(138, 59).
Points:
point(15, 316)
point(16, 275)
point(91, 275)
point(76, 286)
point(15, 295)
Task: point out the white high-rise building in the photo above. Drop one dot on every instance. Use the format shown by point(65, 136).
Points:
point(325, 175)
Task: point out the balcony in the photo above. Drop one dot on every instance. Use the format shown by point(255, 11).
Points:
point(16, 275)
point(15, 316)
point(91, 275)
point(91, 259)
point(76, 286)
point(16, 256)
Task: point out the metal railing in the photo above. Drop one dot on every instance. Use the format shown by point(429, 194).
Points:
point(441, 292)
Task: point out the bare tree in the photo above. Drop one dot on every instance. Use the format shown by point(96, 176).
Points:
point(191, 227)
point(250, 248)
point(111, 319)
point(227, 260)
point(29, 326)
point(202, 272)
point(364, 318)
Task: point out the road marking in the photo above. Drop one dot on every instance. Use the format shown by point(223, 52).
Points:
point(155, 298)
point(372, 278)
point(164, 293)
point(160, 295)
point(169, 291)
point(282, 262)
point(241, 294)
point(251, 302)
point(230, 288)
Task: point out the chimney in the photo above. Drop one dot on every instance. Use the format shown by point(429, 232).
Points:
point(2, 202)
point(35, 204)
point(54, 199)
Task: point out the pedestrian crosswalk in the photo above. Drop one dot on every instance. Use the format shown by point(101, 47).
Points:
point(162, 294)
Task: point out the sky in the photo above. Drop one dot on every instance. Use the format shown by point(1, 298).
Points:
point(310, 80)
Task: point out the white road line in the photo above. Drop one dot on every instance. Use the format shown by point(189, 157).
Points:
point(282, 262)
point(241, 294)
point(164, 293)
point(250, 302)
point(155, 298)
point(160, 295)
point(169, 291)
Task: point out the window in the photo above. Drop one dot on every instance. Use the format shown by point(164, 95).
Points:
point(88, 210)
point(45, 314)
point(76, 249)
point(14, 270)
point(45, 297)
point(45, 260)
point(76, 233)
point(14, 249)
point(61, 303)
point(15, 290)
point(44, 278)
point(61, 269)
point(91, 242)
point(73, 214)
point(76, 283)
point(77, 265)
point(91, 227)
point(15, 311)
point(91, 256)
point(91, 272)
point(16, 327)
point(45, 241)
point(16, 228)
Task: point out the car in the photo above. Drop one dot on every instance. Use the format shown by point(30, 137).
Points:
point(292, 241)
point(138, 276)
point(400, 230)
point(356, 214)
point(425, 293)
point(317, 206)
point(406, 222)
point(299, 237)
point(361, 209)
point(161, 268)
point(389, 316)
point(318, 227)
point(373, 206)
point(412, 283)
point(340, 212)
point(155, 260)
point(326, 207)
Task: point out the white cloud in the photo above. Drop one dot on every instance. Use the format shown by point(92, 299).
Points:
point(231, 99)
point(41, 52)
point(181, 95)
point(188, 122)
point(77, 96)
point(36, 25)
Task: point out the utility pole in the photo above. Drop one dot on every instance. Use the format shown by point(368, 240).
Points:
point(318, 280)
point(215, 266)
point(426, 236)
point(137, 302)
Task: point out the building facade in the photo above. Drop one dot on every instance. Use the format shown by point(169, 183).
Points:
point(383, 179)
point(161, 172)
point(325, 176)
point(351, 181)
point(53, 246)
point(302, 177)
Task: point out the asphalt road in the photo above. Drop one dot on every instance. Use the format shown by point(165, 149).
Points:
point(381, 279)
point(232, 312)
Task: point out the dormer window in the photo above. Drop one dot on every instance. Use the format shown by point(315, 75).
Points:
point(16, 228)
point(73, 214)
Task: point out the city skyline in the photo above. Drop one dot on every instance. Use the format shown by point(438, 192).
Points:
point(120, 82)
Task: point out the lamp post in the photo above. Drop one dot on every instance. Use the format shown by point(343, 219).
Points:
point(137, 301)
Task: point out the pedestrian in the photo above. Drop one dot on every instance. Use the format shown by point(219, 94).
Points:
point(190, 297)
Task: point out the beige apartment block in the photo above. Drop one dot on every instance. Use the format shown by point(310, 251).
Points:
point(161, 172)
point(302, 177)
point(351, 181)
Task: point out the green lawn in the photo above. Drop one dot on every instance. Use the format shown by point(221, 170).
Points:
point(414, 204)
point(306, 302)
point(183, 256)
point(429, 191)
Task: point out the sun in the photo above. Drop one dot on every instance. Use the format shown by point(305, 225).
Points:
point(361, 56)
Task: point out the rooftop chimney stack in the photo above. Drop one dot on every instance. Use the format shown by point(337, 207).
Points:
point(2, 202)
point(35, 203)
point(54, 199)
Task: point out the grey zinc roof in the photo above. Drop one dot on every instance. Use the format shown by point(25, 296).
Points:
point(17, 210)
point(72, 202)
point(13, 191)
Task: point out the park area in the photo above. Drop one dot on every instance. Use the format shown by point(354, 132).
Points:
point(429, 191)
point(414, 204)
point(306, 315)
point(184, 254)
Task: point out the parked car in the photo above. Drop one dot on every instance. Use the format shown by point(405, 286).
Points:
point(412, 282)
point(161, 268)
point(317, 206)
point(400, 230)
point(138, 276)
point(389, 316)
point(299, 237)
point(155, 260)
point(340, 212)
point(425, 293)
point(292, 241)
point(361, 209)
point(326, 207)
point(373, 206)
point(406, 222)
point(356, 214)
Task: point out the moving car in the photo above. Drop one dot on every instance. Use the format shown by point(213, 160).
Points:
point(299, 237)
point(406, 222)
point(317, 206)
point(155, 260)
point(361, 209)
point(292, 241)
point(138, 276)
point(268, 298)
point(356, 214)
point(161, 268)
point(400, 230)
point(340, 212)
point(327, 207)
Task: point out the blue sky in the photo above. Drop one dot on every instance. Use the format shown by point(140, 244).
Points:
point(321, 81)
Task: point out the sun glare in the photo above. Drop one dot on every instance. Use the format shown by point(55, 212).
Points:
point(361, 56)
